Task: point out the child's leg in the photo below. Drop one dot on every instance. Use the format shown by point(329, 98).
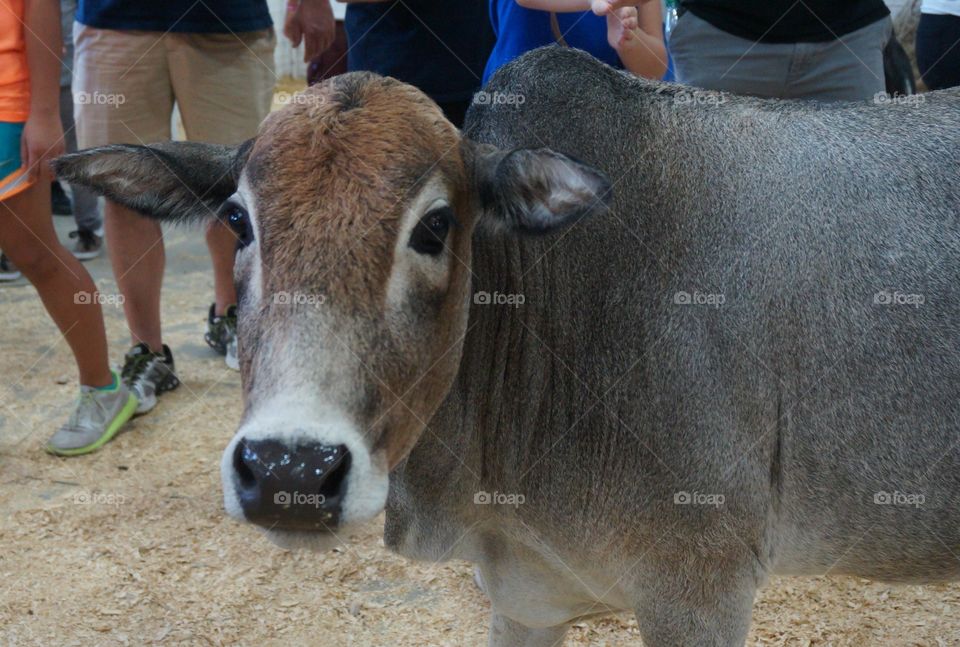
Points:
point(28, 238)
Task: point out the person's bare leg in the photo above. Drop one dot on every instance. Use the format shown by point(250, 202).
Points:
point(137, 257)
point(222, 244)
point(68, 293)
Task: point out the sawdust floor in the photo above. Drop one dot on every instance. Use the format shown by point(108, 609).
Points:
point(129, 545)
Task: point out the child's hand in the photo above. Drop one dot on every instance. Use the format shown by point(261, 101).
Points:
point(42, 141)
point(312, 22)
point(609, 7)
point(622, 26)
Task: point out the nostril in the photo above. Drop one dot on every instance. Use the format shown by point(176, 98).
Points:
point(339, 462)
point(243, 456)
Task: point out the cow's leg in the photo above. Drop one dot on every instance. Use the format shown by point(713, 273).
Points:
point(505, 632)
point(702, 609)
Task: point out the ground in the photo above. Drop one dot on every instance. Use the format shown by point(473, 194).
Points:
point(130, 545)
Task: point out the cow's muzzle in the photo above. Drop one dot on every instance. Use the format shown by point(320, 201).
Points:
point(285, 486)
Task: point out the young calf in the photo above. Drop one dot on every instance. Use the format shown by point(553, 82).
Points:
point(747, 366)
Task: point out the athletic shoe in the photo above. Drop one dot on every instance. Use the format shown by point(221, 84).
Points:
point(88, 244)
point(8, 271)
point(221, 334)
point(99, 415)
point(149, 374)
point(59, 202)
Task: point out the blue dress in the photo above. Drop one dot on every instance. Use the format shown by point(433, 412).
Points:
point(519, 30)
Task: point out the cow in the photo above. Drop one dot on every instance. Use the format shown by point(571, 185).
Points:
point(622, 344)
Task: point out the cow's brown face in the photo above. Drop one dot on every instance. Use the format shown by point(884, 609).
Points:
point(354, 209)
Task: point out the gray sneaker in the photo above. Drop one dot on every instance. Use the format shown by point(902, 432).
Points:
point(148, 374)
point(88, 246)
point(221, 334)
point(8, 271)
point(98, 417)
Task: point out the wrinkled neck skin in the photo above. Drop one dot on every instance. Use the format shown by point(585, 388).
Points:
point(531, 371)
point(520, 386)
point(467, 447)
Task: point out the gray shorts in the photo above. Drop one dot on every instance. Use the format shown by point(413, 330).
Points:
point(849, 68)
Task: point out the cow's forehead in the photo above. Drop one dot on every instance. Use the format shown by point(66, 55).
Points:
point(358, 142)
point(353, 124)
point(334, 171)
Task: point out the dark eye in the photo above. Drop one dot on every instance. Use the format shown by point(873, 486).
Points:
point(430, 234)
point(239, 222)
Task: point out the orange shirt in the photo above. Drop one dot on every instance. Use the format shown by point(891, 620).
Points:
point(14, 74)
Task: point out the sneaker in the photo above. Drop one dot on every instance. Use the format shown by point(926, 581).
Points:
point(98, 417)
point(59, 202)
point(149, 374)
point(221, 334)
point(88, 244)
point(8, 271)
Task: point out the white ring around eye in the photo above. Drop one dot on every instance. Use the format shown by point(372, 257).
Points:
point(439, 203)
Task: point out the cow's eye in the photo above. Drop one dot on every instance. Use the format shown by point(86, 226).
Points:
point(238, 220)
point(430, 234)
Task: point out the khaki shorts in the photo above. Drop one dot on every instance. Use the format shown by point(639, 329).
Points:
point(126, 82)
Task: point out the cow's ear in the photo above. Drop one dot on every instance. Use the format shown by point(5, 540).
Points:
point(536, 191)
point(175, 181)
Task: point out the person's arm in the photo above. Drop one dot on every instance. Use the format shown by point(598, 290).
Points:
point(557, 6)
point(606, 7)
point(636, 33)
point(599, 7)
point(312, 22)
point(42, 134)
point(634, 30)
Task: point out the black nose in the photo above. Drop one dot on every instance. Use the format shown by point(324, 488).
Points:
point(291, 487)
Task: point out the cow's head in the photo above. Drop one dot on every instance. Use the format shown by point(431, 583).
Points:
point(354, 208)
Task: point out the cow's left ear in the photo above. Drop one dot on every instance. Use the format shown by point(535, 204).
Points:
point(536, 191)
point(178, 181)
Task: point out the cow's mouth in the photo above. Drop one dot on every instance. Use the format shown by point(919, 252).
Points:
point(305, 539)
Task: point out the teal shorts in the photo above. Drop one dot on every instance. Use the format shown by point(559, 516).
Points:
point(12, 178)
point(10, 134)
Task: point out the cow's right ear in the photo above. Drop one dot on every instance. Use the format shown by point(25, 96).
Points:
point(174, 181)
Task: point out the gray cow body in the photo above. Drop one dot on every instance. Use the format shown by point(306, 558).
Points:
point(806, 401)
